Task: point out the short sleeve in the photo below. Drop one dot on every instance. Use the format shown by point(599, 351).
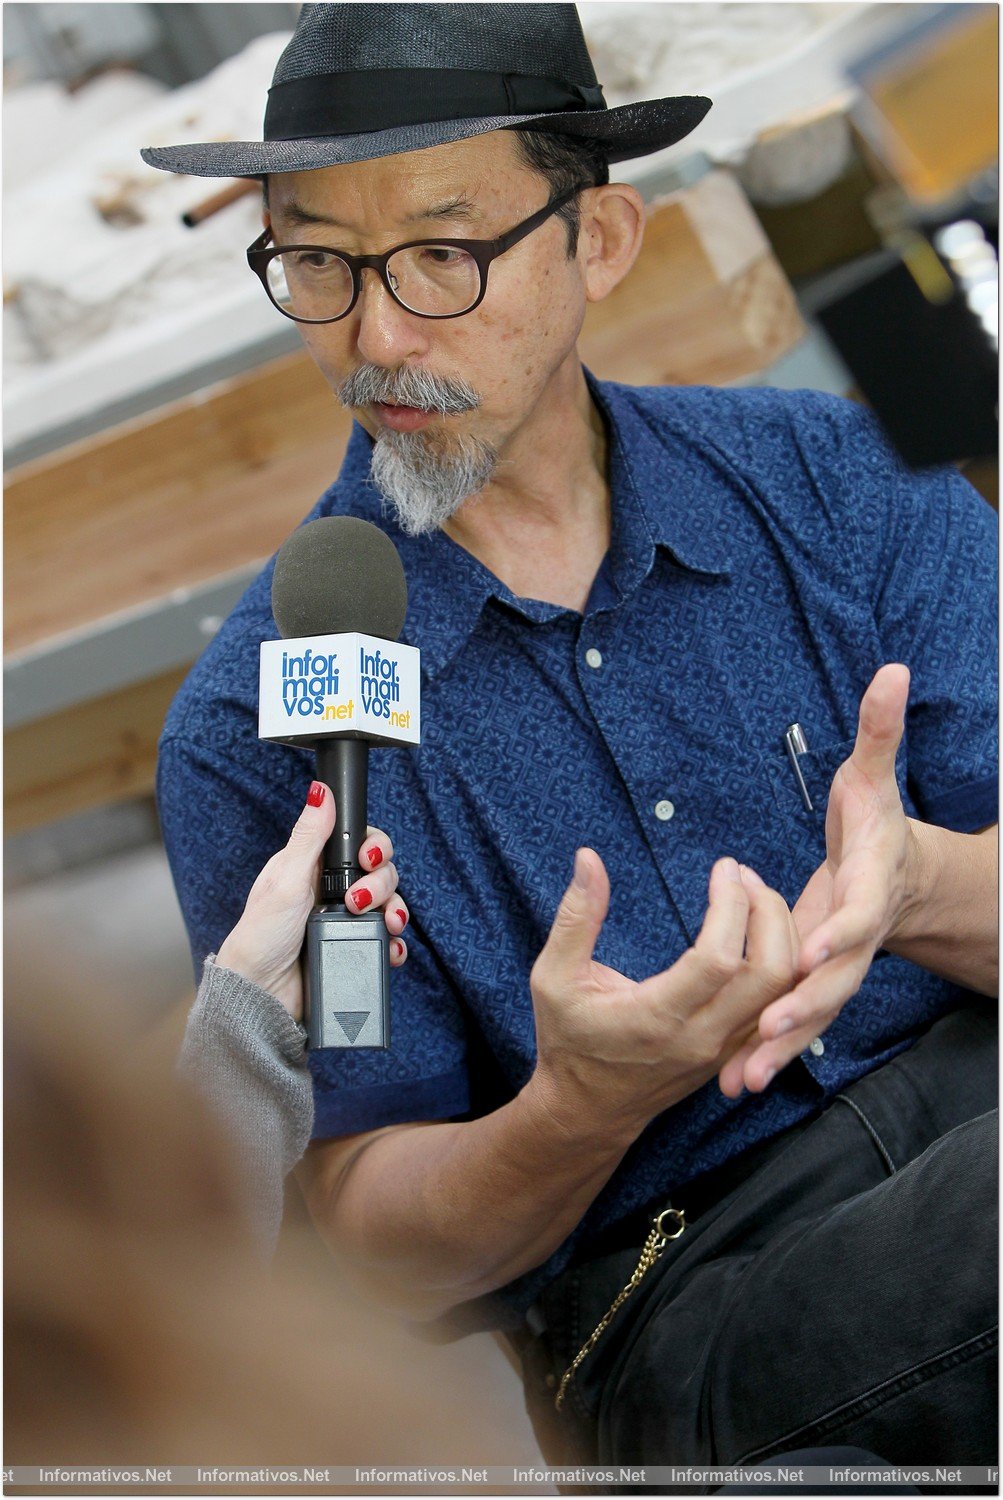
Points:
point(929, 544)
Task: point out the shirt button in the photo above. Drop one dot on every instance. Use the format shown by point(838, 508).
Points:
point(664, 810)
point(593, 657)
point(816, 1047)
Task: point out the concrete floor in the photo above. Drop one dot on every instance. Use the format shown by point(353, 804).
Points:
point(115, 921)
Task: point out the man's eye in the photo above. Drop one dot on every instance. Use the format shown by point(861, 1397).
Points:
point(313, 260)
point(442, 255)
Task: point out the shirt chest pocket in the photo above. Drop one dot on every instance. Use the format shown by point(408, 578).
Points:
point(793, 836)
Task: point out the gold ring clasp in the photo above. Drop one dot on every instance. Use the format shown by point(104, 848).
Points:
point(680, 1223)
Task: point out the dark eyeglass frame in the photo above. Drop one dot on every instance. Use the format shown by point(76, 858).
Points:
point(483, 252)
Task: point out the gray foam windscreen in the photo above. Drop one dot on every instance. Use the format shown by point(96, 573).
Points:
point(336, 574)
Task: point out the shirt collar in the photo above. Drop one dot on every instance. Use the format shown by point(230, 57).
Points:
point(657, 474)
point(448, 588)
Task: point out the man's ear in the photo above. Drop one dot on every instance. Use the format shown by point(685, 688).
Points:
point(612, 227)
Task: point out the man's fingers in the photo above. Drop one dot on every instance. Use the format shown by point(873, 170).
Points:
point(881, 723)
point(814, 1003)
point(767, 1060)
point(579, 917)
point(766, 972)
point(814, 903)
point(850, 927)
point(853, 923)
point(720, 943)
point(772, 941)
point(731, 1078)
point(716, 956)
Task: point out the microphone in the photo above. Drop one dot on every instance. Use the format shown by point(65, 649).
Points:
point(338, 681)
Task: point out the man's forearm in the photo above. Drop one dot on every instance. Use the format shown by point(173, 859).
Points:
point(951, 922)
point(433, 1215)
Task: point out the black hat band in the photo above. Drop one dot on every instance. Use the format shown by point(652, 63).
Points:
point(329, 104)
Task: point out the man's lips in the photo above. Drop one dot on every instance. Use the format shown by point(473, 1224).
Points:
point(403, 418)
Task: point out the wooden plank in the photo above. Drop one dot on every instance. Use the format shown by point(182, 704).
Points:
point(725, 332)
point(208, 485)
point(706, 302)
point(103, 751)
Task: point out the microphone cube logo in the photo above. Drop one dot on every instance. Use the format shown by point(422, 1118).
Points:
point(309, 682)
point(317, 686)
point(380, 687)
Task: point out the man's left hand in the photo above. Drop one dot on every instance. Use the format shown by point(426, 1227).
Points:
point(853, 901)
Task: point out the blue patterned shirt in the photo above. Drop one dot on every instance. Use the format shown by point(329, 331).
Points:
point(768, 554)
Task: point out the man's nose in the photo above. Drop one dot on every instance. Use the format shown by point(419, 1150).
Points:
point(387, 334)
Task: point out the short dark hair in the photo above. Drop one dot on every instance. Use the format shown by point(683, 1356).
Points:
point(565, 161)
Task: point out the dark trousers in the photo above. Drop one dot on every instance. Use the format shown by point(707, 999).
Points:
point(842, 1291)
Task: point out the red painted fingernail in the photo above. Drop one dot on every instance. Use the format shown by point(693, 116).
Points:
point(315, 795)
point(375, 857)
point(403, 916)
point(398, 949)
point(362, 898)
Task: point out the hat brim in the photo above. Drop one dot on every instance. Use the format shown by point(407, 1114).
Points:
point(627, 131)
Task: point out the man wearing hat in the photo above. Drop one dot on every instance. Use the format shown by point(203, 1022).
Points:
point(654, 627)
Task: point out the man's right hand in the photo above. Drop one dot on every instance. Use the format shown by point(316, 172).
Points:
point(625, 1050)
point(415, 1208)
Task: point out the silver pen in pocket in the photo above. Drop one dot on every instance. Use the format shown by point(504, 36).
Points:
point(797, 746)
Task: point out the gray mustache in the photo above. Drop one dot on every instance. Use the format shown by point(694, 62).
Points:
point(407, 387)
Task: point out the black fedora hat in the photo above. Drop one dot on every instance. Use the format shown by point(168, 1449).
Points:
point(359, 81)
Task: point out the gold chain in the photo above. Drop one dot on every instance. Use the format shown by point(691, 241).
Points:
point(656, 1242)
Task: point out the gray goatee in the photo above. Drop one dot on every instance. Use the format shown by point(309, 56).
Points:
point(425, 477)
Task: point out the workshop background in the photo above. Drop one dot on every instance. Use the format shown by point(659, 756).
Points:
point(831, 224)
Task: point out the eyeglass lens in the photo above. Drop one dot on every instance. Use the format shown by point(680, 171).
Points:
point(315, 285)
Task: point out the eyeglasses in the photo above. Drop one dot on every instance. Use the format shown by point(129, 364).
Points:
point(431, 278)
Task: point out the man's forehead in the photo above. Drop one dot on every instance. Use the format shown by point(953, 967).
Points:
point(463, 180)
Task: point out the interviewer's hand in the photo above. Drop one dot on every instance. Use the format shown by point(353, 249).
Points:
point(624, 1051)
point(265, 944)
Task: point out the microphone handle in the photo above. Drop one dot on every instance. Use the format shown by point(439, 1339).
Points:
point(343, 765)
point(347, 958)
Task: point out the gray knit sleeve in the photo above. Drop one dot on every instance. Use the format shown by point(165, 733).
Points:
point(246, 1056)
